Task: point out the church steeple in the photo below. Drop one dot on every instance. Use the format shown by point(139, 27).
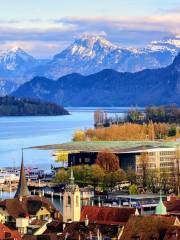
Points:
point(22, 190)
point(72, 176)
point(161, 209)
point(71, 201)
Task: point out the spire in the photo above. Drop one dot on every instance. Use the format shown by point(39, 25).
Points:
point(161, 209)
point(22, 190)
point(72, 176)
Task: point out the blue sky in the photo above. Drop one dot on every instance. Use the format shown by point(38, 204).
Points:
point(44, 27)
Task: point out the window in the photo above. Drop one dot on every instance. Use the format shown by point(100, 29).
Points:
point(77, 201)
point(152, 153)
point(87, 160)
point(69, 200)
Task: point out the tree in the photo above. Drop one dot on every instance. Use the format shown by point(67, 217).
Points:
point(96, 175)
point(131, 175)
point(61, 176)
point(79, 135)
point(112, 179)
point(143, 162)
point(150, 131)
point(153, 180)
point(133, 189)
point(81, 174)
point(108, 161)
point(172, 131)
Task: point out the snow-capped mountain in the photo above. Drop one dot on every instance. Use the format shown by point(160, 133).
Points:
point(15, 68)
point(7, 87)
point(170, 43)
point(14, 58)
point(109, 88)
point(89, 54)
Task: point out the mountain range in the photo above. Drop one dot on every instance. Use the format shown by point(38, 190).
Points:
point(109, 88)
point(86, 55)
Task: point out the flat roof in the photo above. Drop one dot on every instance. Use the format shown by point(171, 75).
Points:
point(114, 146)
point(136, 196)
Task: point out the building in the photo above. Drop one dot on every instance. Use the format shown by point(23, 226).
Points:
point(161, 208)
point(173, 206)
point(8, 233)
point(107, 215)
point(149, 227)
point(71, 201)
point(158, 155)
point(22, 210)
point(145, 203)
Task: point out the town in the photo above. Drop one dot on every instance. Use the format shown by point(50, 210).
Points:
point(90, 120)
point(101, 190)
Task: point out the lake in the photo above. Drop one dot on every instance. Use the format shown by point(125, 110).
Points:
point(23, 132)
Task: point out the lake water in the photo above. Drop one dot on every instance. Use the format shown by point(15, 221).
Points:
point(23, 132)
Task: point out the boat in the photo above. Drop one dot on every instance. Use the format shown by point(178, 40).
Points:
point(5, 176)
point(31, 173)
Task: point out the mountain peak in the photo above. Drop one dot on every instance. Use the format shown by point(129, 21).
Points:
point(89, 40)
point(16, 49)
point(89, 46)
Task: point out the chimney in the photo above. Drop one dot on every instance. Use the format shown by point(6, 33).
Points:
point(86, 221)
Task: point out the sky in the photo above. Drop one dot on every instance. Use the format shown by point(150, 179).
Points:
point(45, 27)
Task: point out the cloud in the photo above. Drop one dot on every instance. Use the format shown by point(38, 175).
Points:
point(46, 37)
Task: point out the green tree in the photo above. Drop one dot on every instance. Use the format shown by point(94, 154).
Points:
point(96, 175)
point(61, 176)
point(81, 174)
point(172, 131)
point(112, 179)
point(153, 180)
point(133, 189)
point(131, 175)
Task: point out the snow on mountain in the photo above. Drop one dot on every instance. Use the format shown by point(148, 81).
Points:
point(15, 68)
point(14, 58)
point(88, 54)
point(7, 87)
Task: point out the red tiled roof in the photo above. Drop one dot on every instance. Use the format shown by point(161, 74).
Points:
point(41, 237)
point(173, 206)
point(172, 233)
point(147, 227)
point(106, 215)
point(7, 233)
point(78, 230)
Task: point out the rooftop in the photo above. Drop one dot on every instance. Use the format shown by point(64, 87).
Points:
point(106, 215)
point(114, 146)
point(147, 227)
point(27, 206)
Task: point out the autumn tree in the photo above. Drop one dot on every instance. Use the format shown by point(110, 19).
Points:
point(79, 135)
point(150, 131)
point(108, 161)
point(143, 164)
